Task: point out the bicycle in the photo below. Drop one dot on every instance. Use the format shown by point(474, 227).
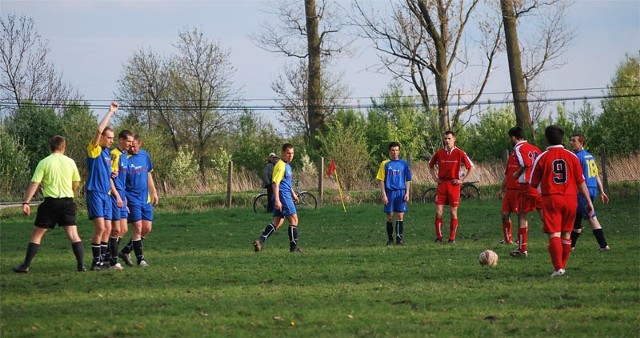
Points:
point(468, 191)
point(306, 200)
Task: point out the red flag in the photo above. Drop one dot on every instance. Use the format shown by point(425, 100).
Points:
point(332, 168)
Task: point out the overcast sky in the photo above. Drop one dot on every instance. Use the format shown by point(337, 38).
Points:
point(91, 39)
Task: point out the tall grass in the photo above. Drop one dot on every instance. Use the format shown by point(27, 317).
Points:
point(205, 280)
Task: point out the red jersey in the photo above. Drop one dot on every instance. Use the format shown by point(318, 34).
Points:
point(450, 162)
point(526, 154)
point(512, 167)
point(557, 171)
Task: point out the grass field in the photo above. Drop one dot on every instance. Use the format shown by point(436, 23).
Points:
point(205, 280)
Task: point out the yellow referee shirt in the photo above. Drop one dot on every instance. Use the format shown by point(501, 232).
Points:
point(56, 173)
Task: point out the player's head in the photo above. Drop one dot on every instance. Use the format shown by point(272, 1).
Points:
point(106, 139)
point(287, 152)
point(516, 133)
point(135, 145)
point(554, 135)
point(125, 138)
point(577, 141)
point(57, 143)
point(394, 150)
point(449, 139)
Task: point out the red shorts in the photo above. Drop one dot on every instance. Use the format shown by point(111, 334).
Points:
point(511, 201)
point(558, 213)
point(530, 200)
point(448, 194)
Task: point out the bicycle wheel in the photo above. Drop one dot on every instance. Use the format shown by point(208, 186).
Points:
point(429, 196)
point(469, 191)
point(306, 200)
point(260, 203)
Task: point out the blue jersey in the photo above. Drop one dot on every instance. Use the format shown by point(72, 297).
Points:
point(137, 183)
point(99, 168)
point(283, 176)
point(119, 165)
point(394, 174)
point(589, 168)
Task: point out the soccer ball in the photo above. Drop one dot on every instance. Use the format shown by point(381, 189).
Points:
point(488, 257)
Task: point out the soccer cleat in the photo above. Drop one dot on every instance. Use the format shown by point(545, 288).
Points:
point(558, 273)
point(505, 242)
point(296, 249)
point(97, 266)
point(257, 246)
point(20, 269)
point(143, 264)
point(518, 254)
point(116, 266)
point(400, 242)
point(126, 258)
point(390, 242)
point(438, 240)
point(451, 241)
point(81, 268)
point(604, 249)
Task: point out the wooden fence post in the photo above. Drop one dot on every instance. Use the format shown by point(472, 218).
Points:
point(605, 177)
point(229, 183)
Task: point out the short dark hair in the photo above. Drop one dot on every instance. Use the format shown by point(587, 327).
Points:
point(517, 132)
point(287, 146)
point(554, 134)
point(124, 134)
point(580, 138)
point(394, 144)
point(106, 129)
point(57, 142)
point(450, 132)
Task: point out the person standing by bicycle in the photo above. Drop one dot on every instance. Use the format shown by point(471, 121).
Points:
point(285, 200)
point(529, 198)
point(449, 161)
point(267, 175)
point(394, 176)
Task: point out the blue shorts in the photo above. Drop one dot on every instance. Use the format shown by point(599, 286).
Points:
point(140, 212)
point(288, 207)
point(582, 204)
point(118, 213)
point(99, 205)
point(396, 201)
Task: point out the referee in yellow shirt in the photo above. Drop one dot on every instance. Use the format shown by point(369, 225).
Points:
point(59, 177)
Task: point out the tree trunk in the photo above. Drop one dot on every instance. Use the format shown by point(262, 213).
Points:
point(314, 89)
point(523, 118)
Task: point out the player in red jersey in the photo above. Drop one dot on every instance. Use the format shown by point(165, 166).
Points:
point(510, 194)
point(449, 161)
point(529, 198)
point(558, 174)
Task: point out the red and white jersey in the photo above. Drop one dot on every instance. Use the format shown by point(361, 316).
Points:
point(450, 162)
point(526, 153)
point(512, 167)
point(557, 171)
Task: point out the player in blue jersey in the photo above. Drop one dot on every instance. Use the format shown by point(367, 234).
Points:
point(141, 193)
point(284, 203)
point(594, 184)
point(119, 167)
point(394, 176)
point(99, 184)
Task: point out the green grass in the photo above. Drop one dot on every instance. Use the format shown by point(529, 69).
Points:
point(205, 280)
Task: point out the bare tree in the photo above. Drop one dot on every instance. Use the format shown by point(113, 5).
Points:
point(291, 88)
point(307, 33)
point(420, 39)
point(25, 73)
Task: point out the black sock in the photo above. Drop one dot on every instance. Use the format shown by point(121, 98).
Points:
point(268, 231)
point(78, 251)
point(600, 237)
point(128, 247)
point(293, 236)
point(390, 230)
point(104, 251)
point(32, 250)
point(137, 248)
point(574, 238)
point(113, 250)
point(95, 250)
point(399, 230)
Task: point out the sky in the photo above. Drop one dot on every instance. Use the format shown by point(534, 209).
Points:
point(90, 40)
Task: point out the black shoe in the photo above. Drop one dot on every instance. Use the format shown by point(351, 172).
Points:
point(295, 249)
point(126, 258)
point(20, 269)
point(98, 266)
point(390, 242)
point(451, 241)
point(400, 242)
point(82, 268)
point(438, 240)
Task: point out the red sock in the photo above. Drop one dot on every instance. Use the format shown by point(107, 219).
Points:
point(453, 227)
point(555, 251)
point(438, 225)
point(566, 251)
point(523, 233)
point(506, 232)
